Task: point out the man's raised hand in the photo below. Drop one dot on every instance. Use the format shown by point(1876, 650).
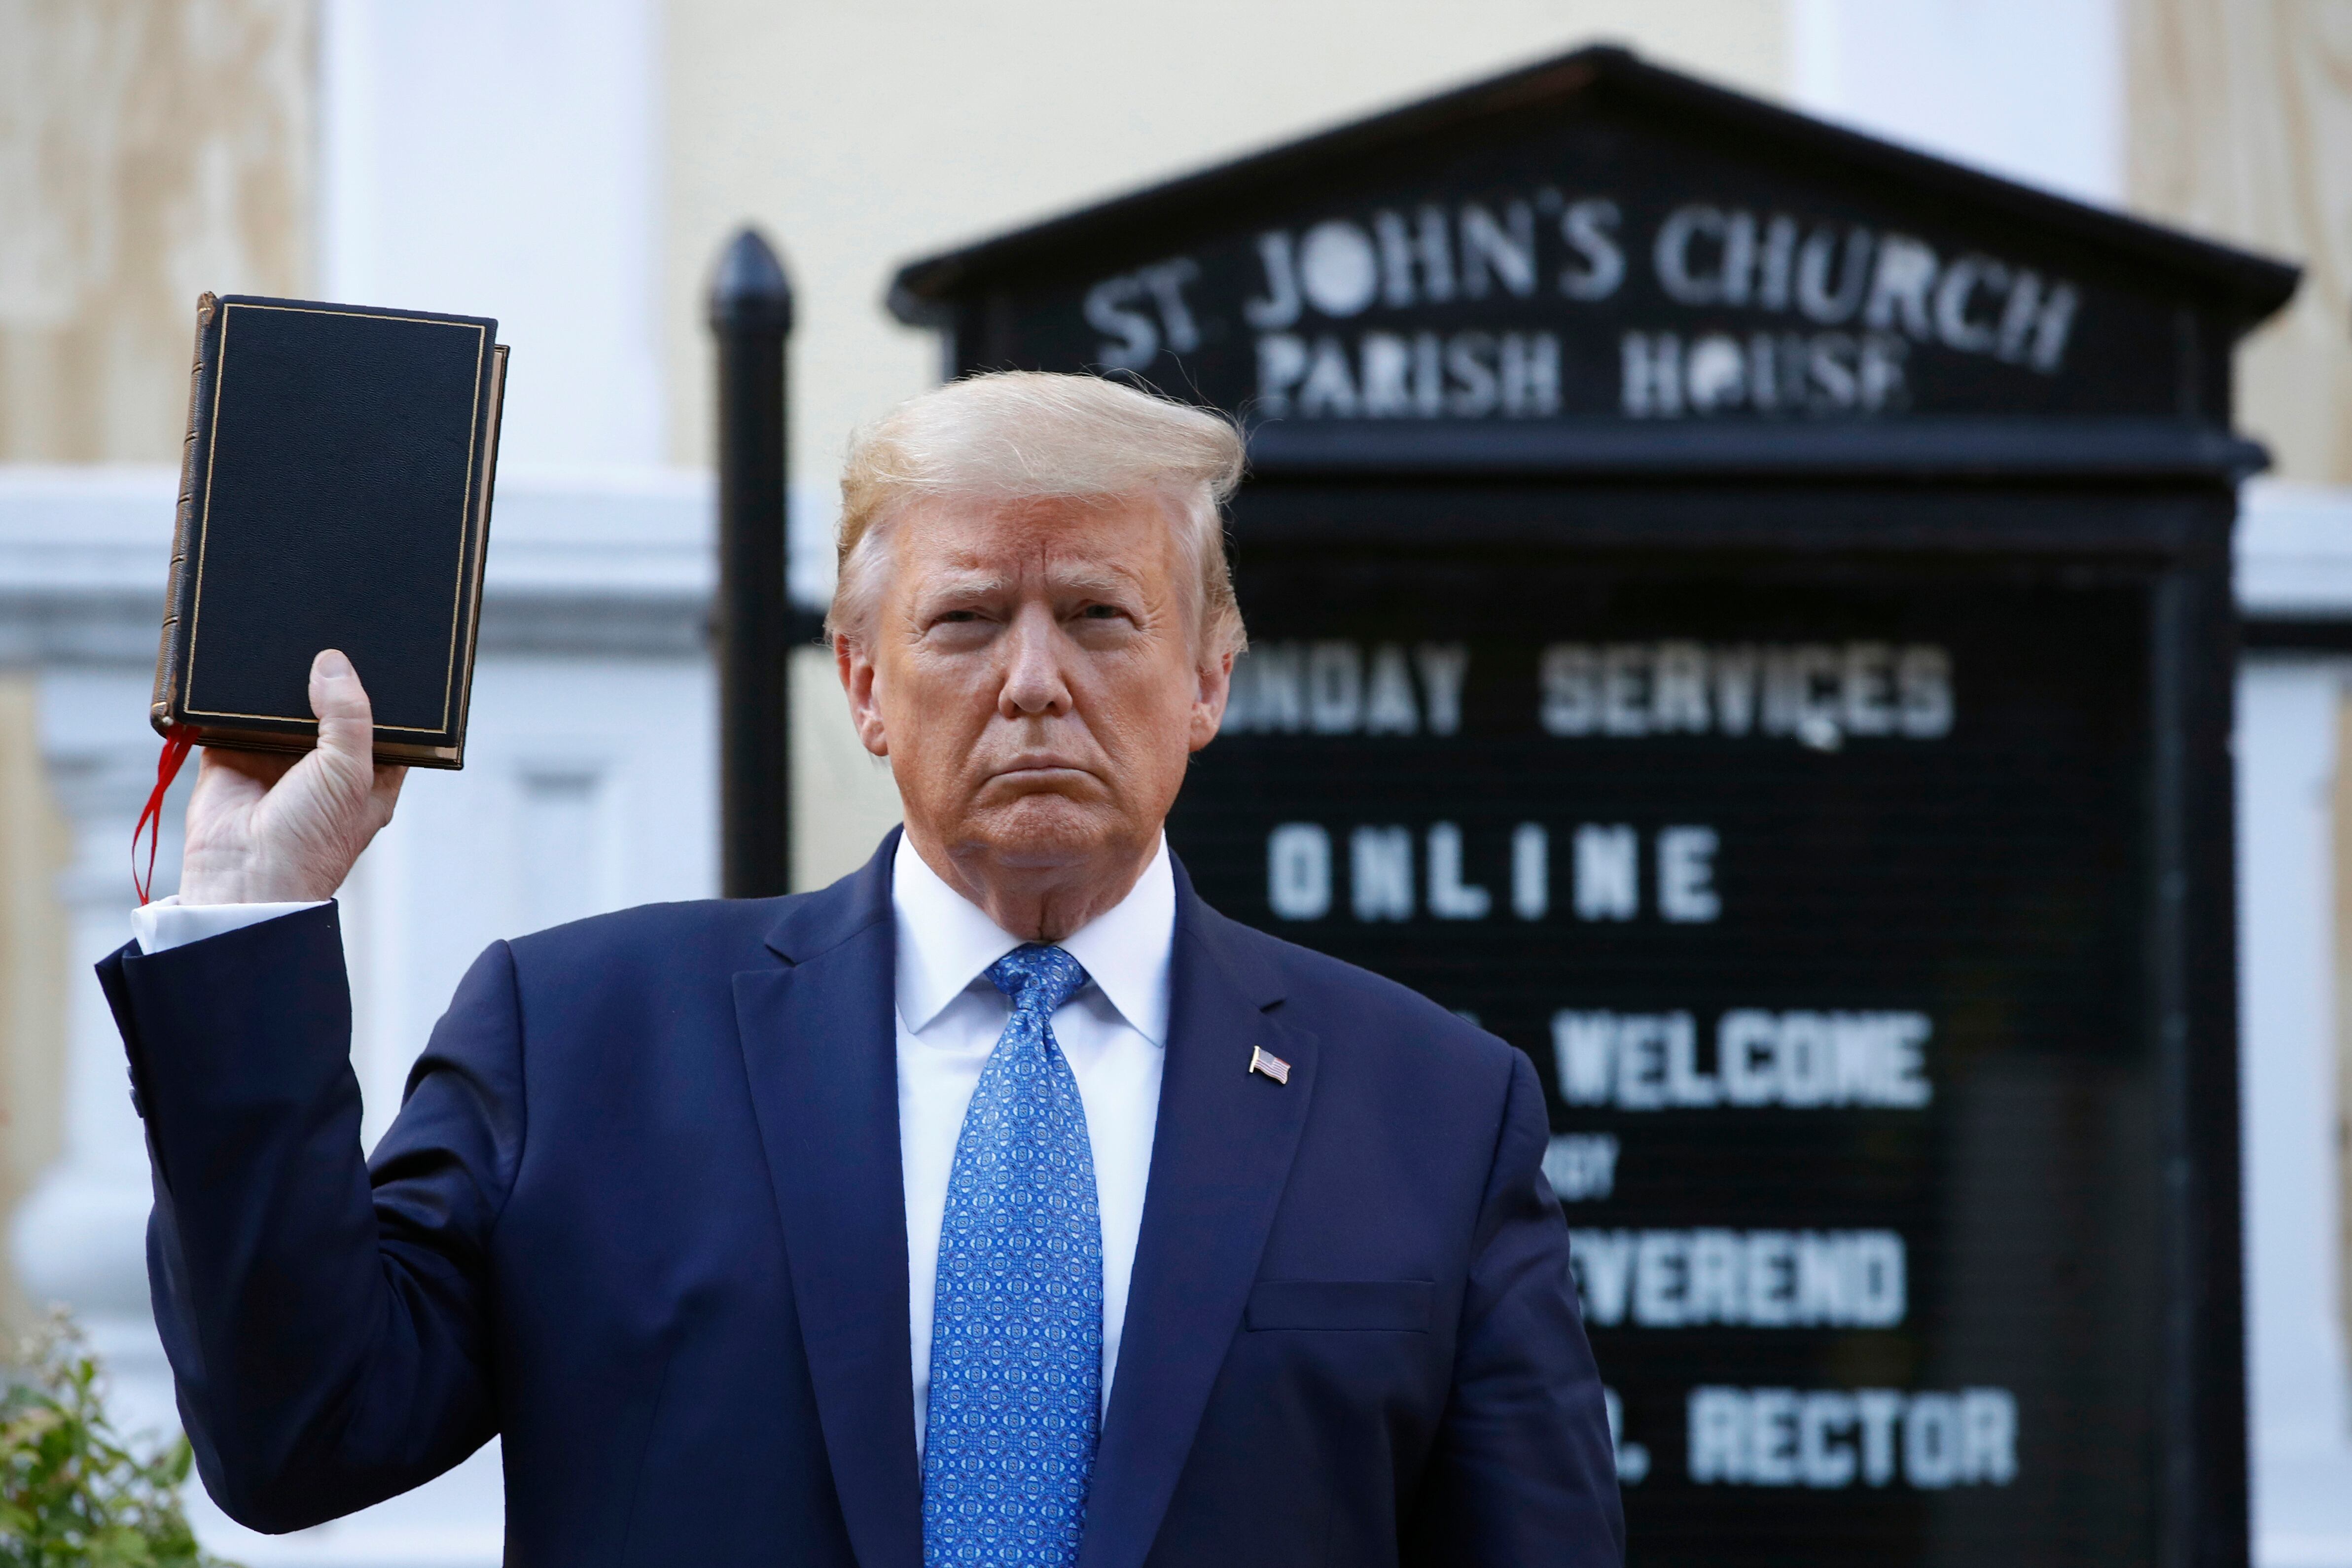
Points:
point(267, 829)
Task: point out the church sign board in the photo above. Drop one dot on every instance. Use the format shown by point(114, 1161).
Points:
point(1743, 612)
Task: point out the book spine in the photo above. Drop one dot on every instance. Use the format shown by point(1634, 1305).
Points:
point(170, 651)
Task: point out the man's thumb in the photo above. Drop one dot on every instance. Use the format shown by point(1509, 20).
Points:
point(346, 719)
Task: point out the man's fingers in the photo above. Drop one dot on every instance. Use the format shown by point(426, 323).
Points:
point(346, 719)
point(262, 769)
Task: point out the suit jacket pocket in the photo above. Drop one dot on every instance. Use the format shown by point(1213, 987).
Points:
point(1393, 1305)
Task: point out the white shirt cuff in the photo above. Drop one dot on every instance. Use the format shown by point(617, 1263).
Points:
point(168, 923)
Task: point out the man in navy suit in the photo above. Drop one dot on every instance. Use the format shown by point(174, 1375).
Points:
point(1002, 1203)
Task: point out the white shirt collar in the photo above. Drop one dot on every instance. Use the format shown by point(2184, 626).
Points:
point(945, 944)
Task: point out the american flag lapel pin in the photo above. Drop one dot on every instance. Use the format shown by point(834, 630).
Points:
point(1274, 1067)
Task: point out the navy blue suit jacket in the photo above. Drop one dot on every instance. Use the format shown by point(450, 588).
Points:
point(641, 1213)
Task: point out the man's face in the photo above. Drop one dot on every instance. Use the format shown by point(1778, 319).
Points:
point(1033, 673)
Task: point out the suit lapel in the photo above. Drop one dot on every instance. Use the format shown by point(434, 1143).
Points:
point(822, 1058)
point(1220, 1157)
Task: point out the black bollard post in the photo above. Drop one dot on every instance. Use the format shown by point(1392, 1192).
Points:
point(750, 316)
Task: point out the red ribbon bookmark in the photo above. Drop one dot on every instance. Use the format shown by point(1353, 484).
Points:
point(177, 742)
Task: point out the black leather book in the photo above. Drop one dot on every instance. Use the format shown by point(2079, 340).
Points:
point(335, 492)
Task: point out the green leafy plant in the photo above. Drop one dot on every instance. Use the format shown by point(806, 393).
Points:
point(73, 1494)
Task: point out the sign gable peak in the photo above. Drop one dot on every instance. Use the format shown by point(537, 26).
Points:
point(1594, 236)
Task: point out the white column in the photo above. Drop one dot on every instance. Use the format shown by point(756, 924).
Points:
point(2301, 1410)
point(81, 1235)
point(2028, 89)
point(498, 160)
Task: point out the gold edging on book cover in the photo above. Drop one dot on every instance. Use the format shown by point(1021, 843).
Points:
point(465, 539)
point(195, 616)
point(174, 674)
point(482, 544)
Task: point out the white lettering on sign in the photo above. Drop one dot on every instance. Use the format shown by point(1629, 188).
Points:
point(1498, 252)
point(1462, 375)
point(1450, 898)
point(1854, 302)
point(1710, 256)
point(1633, 1459)
point(1687, 874)
point(1299, 871)
point(1340, 688)
point(1383, 860)
point(1380, 866)
point(1661, 376)
point(1138, 312)
point(1581, 1167)
point(1739, 1278)
point(1817, 693)
point(1432, 255)
point(1608, 878)
point(1530, 871)
point(1608, 885)
point(1339, 269)
point(1828, 1439)
point(1893, 287)
point(1652, 1061)
point(1594, 265)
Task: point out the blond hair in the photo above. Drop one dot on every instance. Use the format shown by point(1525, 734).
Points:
point(1016, 436)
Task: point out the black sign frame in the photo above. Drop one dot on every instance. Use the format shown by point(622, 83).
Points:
point(2167, 540)
point(2127, 477)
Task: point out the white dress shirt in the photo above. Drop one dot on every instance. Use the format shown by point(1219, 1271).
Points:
point(168, 923)
point(1113, 1033)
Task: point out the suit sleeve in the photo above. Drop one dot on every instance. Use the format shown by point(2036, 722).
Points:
point(328, 1327)
point(1524, 1470)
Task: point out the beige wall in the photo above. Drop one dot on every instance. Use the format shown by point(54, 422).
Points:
point(33, 847)
point(149, 150)
point(862, 136)
point(2241, 126)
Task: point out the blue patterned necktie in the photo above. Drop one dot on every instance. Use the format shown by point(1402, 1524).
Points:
point(1016, 1333)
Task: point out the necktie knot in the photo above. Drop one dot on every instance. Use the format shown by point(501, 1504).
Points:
point(1038, 979)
